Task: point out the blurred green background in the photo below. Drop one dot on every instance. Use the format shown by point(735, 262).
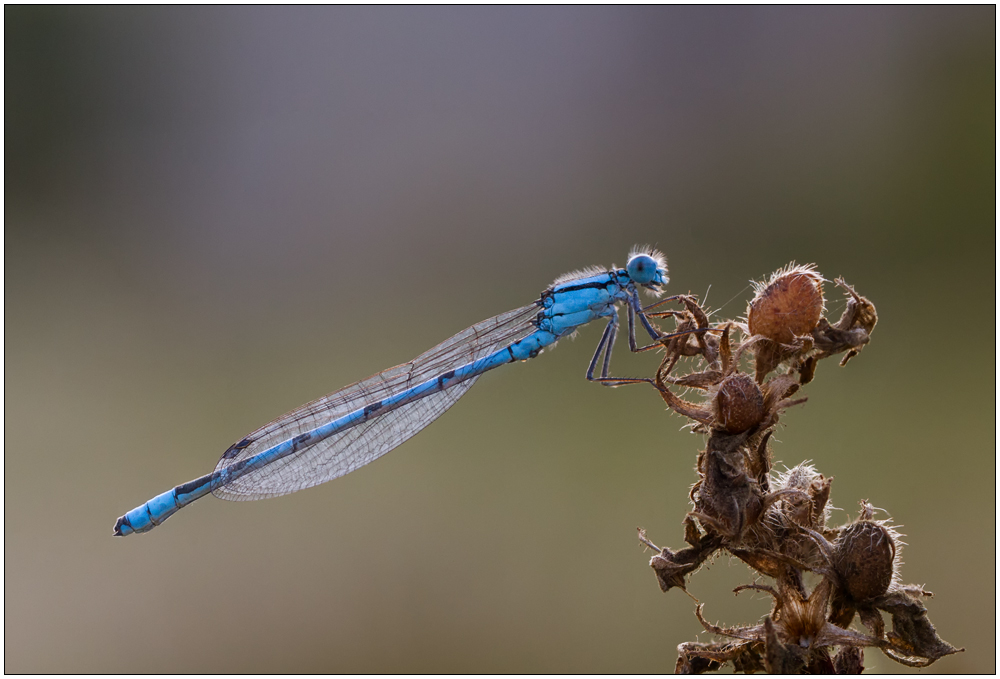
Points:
point(214, 215)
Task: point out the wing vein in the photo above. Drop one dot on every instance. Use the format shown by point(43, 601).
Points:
point(355, 447)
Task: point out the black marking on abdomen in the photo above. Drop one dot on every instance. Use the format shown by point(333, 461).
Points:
point(122, 521)
point(510, 351)
point(300, 439)
point(233, 450)
point(189, 487)
point(369, 409)
point(445, 376)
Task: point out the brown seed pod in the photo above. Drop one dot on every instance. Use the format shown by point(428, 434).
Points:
point(739, 404)
point(789, 305)
point(864, 557)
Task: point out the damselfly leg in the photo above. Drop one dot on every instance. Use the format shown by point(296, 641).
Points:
point(607, 342)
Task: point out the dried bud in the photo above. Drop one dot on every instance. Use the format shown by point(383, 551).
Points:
point(814, 512)
point(739, 404)
point(789, 305)
point(864, 557)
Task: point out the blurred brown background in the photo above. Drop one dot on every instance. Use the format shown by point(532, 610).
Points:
point(214, 215)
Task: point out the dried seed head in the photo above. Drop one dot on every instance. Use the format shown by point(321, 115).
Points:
point(801, 476)
point(805, 478)
point(865, 557)
point(739, 404)
point(789, 305)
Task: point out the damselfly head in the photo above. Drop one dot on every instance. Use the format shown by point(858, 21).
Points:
point(647, 267)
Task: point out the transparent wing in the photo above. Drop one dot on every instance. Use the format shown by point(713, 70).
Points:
point(342, 453)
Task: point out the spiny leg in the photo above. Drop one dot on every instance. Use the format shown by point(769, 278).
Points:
point(605, 346)
point(600, 347)
point(644, 312)
point(698, 331)
point(660, 302)
point(613, 326)
point(633, 343)
point(635, 309)
point(612, 333)
point(661, 338)
point(607, 343)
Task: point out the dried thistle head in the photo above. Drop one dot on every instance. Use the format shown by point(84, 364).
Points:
point(737, 404)
point(797, 505)
point(788, 305)
point(813, 511)
point(734, 403)
point(783, 314)
point(866, 556)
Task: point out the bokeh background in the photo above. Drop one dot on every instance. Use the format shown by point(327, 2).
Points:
point(214, 215)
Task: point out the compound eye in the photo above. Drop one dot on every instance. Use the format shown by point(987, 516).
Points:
point(641, 269)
